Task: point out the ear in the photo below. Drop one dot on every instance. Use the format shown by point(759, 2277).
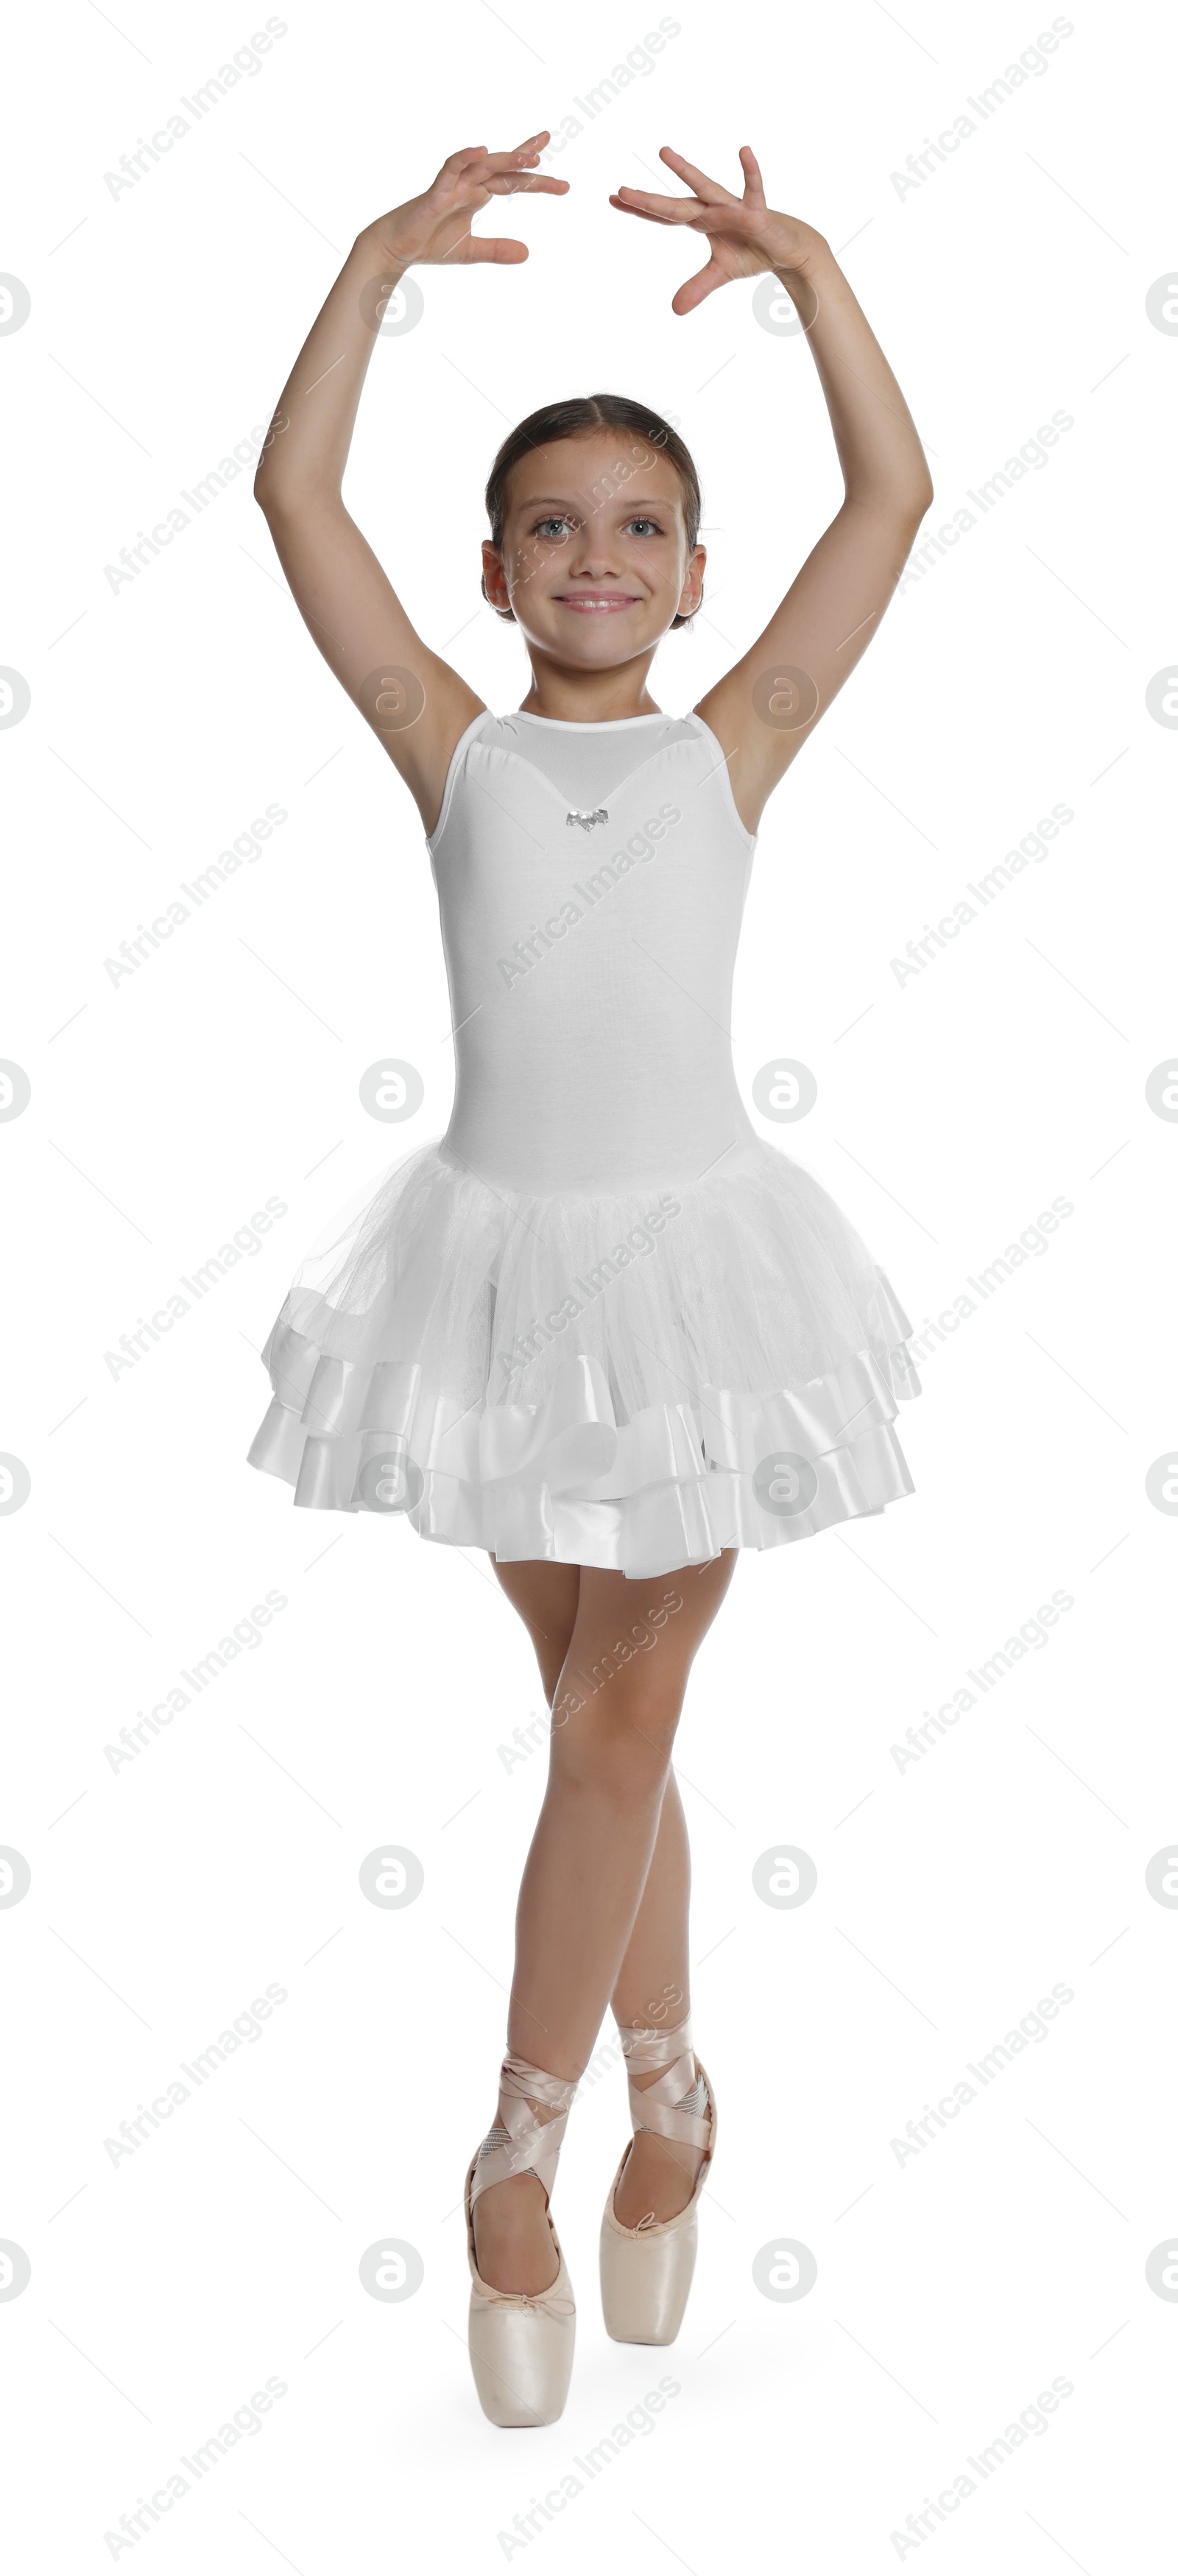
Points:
point(694, 575)
point(493, 564)
point(507, 613)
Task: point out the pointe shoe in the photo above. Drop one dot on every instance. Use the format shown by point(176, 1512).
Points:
point(521, 2347)
point(646, 2270)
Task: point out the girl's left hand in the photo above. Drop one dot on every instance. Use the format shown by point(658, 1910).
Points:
point(744, 233)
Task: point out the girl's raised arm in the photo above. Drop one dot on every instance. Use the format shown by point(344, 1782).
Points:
point(418, 707)
point(767, 705)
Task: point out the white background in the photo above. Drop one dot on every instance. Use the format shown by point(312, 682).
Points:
point(953, 1894)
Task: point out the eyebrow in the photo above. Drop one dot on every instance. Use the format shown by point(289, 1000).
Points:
point(639, 502)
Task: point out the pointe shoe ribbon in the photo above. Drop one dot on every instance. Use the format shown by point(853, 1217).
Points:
point(519, 2143)
point(656, 2107)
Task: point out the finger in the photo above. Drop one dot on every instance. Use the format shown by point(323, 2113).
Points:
point(641, 212)
point(520, 152)
point(521, 181)
point(475, 248)
point(489, 171)
point(710, 189)
point(732, 220)
point(694, 289)
point(754, 190)
point(664, 210)
point(510, 183)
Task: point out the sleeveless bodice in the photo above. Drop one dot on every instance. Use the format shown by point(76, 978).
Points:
point(591, 882)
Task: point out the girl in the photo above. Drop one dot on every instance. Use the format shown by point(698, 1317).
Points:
point(601, 1330)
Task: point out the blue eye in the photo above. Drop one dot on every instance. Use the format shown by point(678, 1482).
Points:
point(554, 528)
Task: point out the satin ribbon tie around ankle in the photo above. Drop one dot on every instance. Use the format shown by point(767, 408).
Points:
point(530, 2146)
point(654, 2108)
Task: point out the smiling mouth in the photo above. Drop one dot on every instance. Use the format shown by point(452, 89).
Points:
point(598, 603)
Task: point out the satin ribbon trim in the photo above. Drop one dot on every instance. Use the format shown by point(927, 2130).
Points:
point(534, 2145)
point(656, 2107)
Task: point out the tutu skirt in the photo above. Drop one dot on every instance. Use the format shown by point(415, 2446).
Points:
point(633, 1381)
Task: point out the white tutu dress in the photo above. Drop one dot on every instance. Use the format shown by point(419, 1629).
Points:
point(601, 1321)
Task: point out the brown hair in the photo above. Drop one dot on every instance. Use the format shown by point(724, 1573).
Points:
point(575, 419)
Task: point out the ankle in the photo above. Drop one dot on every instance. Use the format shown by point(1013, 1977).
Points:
point(513, 2239)
point(642, 2082)
point(670, 2108)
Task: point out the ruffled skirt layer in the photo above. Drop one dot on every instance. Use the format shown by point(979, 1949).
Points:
point(632, 1381)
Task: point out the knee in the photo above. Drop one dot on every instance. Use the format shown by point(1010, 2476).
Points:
point(619, 1741)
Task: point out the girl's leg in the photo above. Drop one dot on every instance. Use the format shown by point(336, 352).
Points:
point(513, 2248)
point(546, 1598)
point(653, 1991)
point(653, 1982)
point(615, 1709)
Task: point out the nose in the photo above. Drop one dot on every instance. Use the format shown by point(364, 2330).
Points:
point(591, 554)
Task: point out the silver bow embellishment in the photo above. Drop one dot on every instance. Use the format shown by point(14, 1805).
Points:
point(587, 821)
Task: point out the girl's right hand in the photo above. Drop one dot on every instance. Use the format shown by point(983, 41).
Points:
point(437, 225)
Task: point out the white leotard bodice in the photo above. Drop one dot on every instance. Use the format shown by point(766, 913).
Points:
point(590, 960)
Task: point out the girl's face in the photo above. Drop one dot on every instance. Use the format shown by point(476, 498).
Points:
point(595, 561)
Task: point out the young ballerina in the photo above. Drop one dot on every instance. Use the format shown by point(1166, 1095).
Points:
point(601, 1329)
